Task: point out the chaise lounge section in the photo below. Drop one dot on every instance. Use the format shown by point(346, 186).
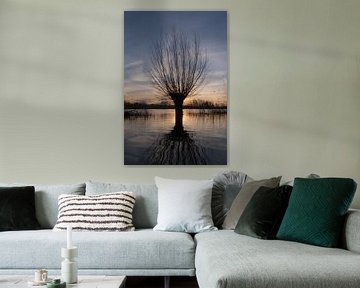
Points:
point(225, 259)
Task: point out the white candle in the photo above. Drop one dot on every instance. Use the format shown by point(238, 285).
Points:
point(69, 239)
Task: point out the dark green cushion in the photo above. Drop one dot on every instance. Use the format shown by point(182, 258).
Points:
point(17, 208)
point(316, 211)
point(264, 213)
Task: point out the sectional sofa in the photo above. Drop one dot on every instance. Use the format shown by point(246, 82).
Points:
point(219, 259)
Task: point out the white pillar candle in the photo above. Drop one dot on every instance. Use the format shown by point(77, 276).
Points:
point(69, 237)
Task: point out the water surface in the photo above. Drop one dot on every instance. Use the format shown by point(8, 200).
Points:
point(152, 138)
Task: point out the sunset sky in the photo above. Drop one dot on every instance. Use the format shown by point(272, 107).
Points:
point(142, 28)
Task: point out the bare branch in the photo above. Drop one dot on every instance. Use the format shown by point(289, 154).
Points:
point(178, 66)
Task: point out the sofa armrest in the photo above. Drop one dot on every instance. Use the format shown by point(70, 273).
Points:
point(351, 233)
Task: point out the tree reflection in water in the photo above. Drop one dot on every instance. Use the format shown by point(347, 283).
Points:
point(179, 147)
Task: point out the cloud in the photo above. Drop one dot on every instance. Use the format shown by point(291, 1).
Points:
point(134, 64)
point(136, 82)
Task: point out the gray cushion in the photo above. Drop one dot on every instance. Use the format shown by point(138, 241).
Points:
point(184, 205)
point(225, 259)
point(243, 198)
point(226, 187)
point(144, 249)
point(146, 204)
point(46, 200)
point(310, 176)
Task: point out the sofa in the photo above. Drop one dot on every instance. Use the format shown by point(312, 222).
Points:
point(218, 259)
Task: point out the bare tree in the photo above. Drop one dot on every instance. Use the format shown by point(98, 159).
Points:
point(178, 68)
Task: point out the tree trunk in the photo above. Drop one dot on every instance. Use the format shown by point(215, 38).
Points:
point(179, 115)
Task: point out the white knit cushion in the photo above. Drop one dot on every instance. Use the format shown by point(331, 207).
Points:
point(105, 212)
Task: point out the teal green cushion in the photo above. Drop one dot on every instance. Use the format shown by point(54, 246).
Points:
point(316, 211)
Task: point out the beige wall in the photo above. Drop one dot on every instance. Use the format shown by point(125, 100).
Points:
point(294, 89)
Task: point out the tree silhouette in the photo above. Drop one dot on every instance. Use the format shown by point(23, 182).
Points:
point(178, 68)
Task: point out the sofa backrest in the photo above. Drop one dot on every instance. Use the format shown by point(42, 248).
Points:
point(146, 203)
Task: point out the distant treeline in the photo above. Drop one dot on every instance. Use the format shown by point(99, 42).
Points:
point(195, 104)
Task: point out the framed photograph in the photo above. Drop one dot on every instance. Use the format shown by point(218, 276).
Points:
point(175, 88)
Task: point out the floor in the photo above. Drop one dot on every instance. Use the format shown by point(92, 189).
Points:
point(158, 282)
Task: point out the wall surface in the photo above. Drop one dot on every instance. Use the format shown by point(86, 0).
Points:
point(294, 89)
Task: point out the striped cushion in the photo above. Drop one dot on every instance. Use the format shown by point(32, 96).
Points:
point(105, 212)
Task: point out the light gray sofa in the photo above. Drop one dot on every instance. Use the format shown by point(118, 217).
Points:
point(220, 259)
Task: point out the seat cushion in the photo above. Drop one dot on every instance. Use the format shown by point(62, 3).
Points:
point(226, 259)
point(143, 249)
